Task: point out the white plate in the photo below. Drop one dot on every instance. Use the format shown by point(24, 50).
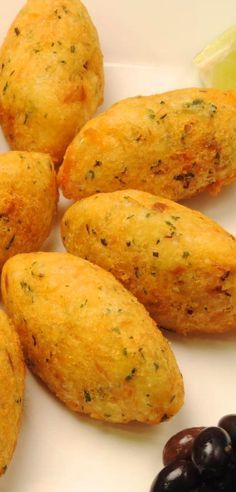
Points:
point(148, 47)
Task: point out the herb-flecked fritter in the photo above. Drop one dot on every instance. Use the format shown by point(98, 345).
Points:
point(180, 264)
point(90, 340)
point(51, 76)
point(12, 376)
point(174, 144)
point(28, 202)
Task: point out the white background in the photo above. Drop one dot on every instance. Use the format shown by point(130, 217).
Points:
point(148, 47)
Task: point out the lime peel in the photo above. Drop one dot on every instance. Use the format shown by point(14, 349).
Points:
point(213, 62)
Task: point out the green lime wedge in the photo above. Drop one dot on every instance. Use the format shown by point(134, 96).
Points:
point(216, 64)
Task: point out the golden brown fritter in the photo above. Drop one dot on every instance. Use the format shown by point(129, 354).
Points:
point(174, 144)
point(12, 375)
point(51, 76)
point(28, 202)
point(90, 340)
point(177, 262)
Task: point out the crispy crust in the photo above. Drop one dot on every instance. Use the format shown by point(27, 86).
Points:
point(51, 76)
point(28, 202)
point(12, 376)
point(177, 262)
point(90, 340)
point(175, 144)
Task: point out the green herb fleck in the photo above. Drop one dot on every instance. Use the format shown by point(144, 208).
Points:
point(90, 175)
point(172, 226)
point(141, 352)
point(87, 396)
point(104, 241)
point(212, 109)
point(10, 360)
point(197, 102)
point(72, 49)
point(37, 275)
point(155, 167)
point(225, 276)
point(156, 365)
point(186, 254)
point(116, 330)
point(151, 114)
point(34, 340)
point(119, 178)
point(26, 118)
point(131, 374)
point(56, 12)
point(83, 304)
point(5, 87)
point(185, 178)
point(26, 287)
point(9, 244)
point(155, 253)
point(181, 177)
point(65, 9)
point(175, 217)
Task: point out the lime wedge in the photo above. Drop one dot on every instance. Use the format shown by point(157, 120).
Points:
point(217, 62)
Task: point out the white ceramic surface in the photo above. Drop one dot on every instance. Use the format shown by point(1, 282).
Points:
point(148, 47)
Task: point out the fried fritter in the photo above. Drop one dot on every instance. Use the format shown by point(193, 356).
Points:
point(12, 376)
point(90, 340)
point(174, 144)
point(180, 264)
point(28, 202)
point(51, 76)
